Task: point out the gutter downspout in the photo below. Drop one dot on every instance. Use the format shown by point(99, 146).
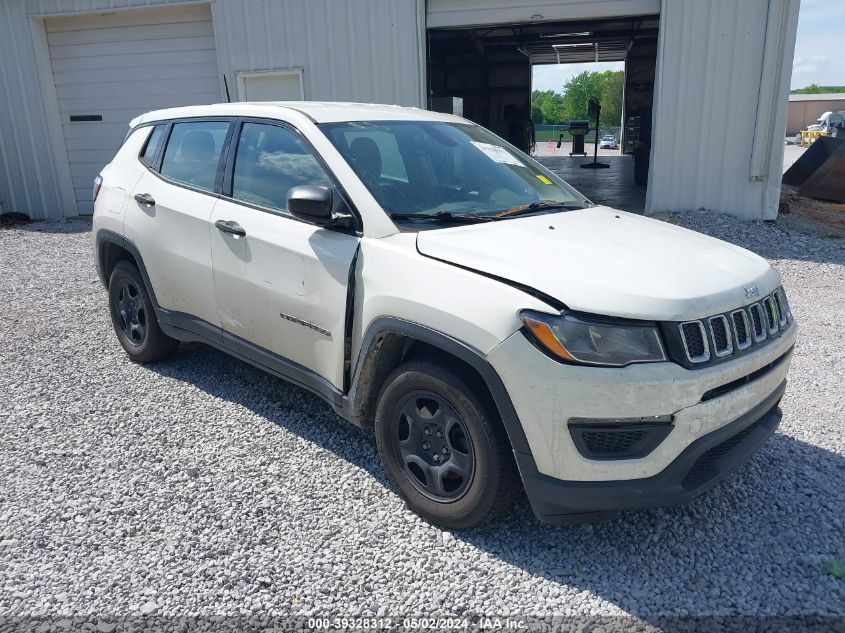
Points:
point(422, 52)
point(765, 164)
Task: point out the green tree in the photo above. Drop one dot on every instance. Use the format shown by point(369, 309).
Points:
point(815, 89)
point(546, 107)
point(577, 92)
point(550, 107)
point(536, 110)
point(611, 97)
point(605, 86)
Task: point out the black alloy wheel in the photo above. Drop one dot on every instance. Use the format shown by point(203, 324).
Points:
point(443, 445)
point(433, 444)
point(131, 313)
point(134, 318)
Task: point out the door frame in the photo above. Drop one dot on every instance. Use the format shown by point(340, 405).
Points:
point(243, 75)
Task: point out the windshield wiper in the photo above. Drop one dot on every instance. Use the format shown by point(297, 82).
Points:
point(536, 207)
point(442, 217)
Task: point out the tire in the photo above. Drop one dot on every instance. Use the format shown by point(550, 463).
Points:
point(134, 318)
point(448, 455)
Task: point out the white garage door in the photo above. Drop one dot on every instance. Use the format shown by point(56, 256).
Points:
point(109, 68)
point(457, 13)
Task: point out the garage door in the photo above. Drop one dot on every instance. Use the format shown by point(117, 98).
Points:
point(109, 68)
point(458, 13)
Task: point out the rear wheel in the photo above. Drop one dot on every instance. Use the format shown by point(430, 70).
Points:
point(133, 316)
point(447, 454)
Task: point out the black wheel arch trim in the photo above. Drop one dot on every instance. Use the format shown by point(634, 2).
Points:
point(104, 236)
point(472, 357)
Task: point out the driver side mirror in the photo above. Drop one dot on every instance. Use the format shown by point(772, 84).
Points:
point(315, 204)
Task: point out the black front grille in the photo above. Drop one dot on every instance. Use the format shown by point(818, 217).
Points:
point(757, 322)
point(701, 342)
point(694, 338)
point(721, 336)
point(783, 307)
point(771, 313)
point(743, 336)
point(714, 454)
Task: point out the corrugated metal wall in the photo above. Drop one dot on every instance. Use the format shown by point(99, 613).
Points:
point(29, 180)
point(720, 105)
point(366, 50)
point(28, 183)
point(362, 50)
point(723, 76)
point(447, 13)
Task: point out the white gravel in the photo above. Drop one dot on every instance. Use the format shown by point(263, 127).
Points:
point(203, 486)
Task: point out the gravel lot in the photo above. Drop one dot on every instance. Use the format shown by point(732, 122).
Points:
point(204, 486)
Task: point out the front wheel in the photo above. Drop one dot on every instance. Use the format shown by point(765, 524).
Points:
point(447, 454)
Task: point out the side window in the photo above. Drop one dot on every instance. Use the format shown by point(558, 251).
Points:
point(193, 152)
point(153, 144)
point(271, 160)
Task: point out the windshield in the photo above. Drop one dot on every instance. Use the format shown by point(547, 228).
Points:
point(437, 170)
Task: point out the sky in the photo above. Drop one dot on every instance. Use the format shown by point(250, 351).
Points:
point(820, 45)
point(819, 51)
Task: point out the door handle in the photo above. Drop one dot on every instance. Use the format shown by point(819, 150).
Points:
point(145, 198)
point(230, 226)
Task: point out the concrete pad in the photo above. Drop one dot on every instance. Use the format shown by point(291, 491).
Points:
point(613, 187)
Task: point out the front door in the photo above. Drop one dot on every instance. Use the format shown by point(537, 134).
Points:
point(281, 283)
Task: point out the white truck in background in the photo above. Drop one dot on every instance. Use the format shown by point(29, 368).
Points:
point(828, 122)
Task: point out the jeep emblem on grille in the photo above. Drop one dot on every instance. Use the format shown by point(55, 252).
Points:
point(752, 291)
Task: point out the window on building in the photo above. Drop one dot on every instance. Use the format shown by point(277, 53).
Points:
point(276, 85)
point(193, 152)
point(271, 160)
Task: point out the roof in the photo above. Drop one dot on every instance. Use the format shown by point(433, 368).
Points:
point(829, 96)
point(319, 111)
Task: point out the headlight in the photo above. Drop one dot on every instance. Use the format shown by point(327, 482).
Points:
point(594, 342)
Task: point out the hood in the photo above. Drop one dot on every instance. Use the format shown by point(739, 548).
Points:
point(609, 262)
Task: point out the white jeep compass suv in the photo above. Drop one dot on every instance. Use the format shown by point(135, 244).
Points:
point(425, 277)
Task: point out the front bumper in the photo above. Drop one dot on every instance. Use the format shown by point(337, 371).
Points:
point(707, 406)
point(706, 462)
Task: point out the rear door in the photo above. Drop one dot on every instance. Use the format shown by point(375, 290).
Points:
point(282, 284)
point(169, 217)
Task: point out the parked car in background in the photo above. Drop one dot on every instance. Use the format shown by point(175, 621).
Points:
point(608, 141)
point(426, 278)
point(828, 122)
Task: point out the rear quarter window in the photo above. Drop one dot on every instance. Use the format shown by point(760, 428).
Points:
point(152, 145)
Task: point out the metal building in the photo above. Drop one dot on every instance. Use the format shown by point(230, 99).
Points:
point(706, 80)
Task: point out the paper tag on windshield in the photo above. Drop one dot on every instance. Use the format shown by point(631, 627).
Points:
point(498, 154)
